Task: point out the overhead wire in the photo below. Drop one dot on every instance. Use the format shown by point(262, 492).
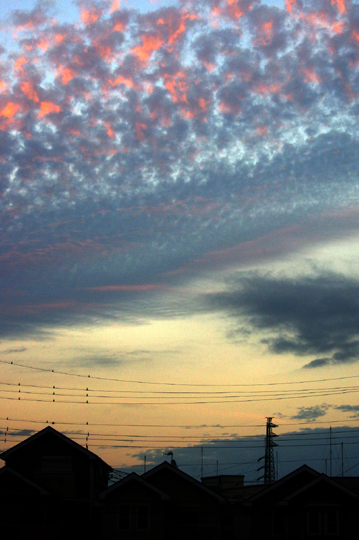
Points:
point(178, 398)
point(135, 381)
point(225, 394)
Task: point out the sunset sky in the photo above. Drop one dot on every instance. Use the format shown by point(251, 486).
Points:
point(179, 224)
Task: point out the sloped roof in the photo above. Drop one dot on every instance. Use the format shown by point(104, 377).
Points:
point(54, 433)
point(320, 479)
point(296, 484)
point(165, 466)
point(133, 477)
point(299, 477)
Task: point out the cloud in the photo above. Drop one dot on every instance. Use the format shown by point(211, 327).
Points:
point(141, 149)
point(349, 408)
point(14, 351)
point(303, 316)
point(18, 433)
point(311, 413)
point(240, 455)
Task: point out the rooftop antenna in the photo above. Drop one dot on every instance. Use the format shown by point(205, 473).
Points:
point(269, 468)
point(173, 461)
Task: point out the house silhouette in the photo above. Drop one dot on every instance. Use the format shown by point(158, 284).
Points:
point(51, 486)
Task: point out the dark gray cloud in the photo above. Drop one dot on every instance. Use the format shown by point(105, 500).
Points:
point(350, 409)
point(304, 316)
point(317, 447)
point(18, 433)
point(311, 413)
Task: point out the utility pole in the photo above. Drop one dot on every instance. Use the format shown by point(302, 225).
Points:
point(269, 468)
point(330, 450)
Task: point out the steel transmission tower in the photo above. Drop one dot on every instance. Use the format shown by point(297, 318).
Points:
point(269, 468)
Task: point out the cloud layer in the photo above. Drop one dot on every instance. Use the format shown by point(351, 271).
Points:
point(305, 316)
point(136, 147)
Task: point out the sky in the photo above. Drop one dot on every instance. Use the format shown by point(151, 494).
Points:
point(179, 227)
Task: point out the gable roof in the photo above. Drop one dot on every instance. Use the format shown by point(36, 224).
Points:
point(172, 470)
point(296, 484)
point(300, 477)
point(133, 478)
point(50, 431)
point(322, 478)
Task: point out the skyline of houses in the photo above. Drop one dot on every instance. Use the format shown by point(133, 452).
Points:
point(51, 485)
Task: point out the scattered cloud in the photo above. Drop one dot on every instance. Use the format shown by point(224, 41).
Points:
point(142, 148)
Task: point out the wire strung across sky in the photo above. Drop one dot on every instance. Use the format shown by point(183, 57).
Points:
point(184, 426)
point(181, 394)
point(118, 397)
point(345, 435)
point(47, 370)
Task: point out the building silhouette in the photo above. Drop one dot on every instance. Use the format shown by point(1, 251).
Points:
point(51, 486)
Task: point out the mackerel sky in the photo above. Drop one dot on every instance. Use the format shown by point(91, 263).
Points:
point(168, 162)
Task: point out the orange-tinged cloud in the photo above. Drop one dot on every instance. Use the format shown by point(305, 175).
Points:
point(122, 80)
point(266, 34)
point(110, 131)
point(10, 110)
point(48, 107)
point(29, 91)
point(177, 86)
point(319, 19)
point(105, 52)
point(261, 130)
point(264, 89)
point(290, 4)
point(90, 16)
point(119, 27)
point(231, 9)
point(202, 103)
point(311, 77)
point(338, 27)
point(150, 43)
point(187, 114)
point(67, 74)
point(43, 45)
point(234, 9)
point(349, 92)
point(182, 27)
point(20, 62)
point(216, 11)
point(59, 38)
point(340, 5)
point(139, 128)
point(115, 6)
point(175, 26)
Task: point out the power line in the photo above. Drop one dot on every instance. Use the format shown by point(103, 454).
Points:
point(176, 393)
point(17, 364)
point(184, 426)
point(197, 402)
